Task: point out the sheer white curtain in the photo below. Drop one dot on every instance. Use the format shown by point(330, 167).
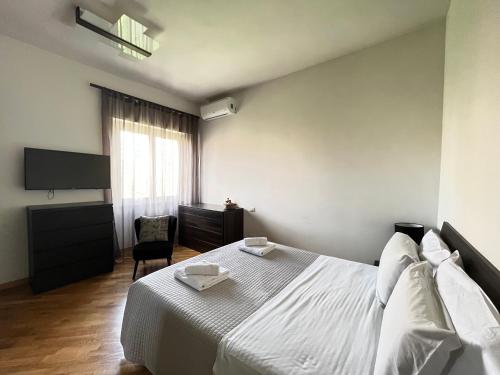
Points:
point(154, 161)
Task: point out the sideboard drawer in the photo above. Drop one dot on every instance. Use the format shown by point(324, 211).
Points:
point(208, 214)
point(205, 235)
point(192, 219)
point(198, 244)
point(46, 279)
point(70, 218)
point(73, 254)
point(61, 238)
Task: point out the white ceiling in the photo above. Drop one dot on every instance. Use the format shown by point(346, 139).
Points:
point(209, 47)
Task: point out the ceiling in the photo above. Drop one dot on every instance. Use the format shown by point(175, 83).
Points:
point(211, 47)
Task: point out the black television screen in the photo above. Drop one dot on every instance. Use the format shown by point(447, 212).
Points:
point(50, 170)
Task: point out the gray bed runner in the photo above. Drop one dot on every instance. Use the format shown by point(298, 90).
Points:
point(173, 329)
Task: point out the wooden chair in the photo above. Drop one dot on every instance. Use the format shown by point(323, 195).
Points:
point(157, 249)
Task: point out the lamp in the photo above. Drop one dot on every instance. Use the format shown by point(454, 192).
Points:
point(126, 34)
point(414, 230)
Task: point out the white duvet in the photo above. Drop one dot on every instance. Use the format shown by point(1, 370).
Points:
point(326, 321)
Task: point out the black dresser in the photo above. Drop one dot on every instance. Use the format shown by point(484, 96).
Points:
point(69, 242)
point(204, 227)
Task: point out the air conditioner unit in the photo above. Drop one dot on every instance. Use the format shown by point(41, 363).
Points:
point(218, 109)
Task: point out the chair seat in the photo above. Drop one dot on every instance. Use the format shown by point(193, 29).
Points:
point(152, 250)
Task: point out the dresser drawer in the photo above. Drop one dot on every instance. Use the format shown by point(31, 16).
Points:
point(58, 276)
point(73, 254)
point(62, 238)
point(208, 214)
point(186, 231)
point(201, 222)
point(197, 244)
point(70, 218)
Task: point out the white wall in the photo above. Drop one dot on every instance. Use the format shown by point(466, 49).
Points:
point(333, 155)
point(470, 169)
point(46, 102)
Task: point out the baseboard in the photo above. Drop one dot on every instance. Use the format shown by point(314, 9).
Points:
point(14, 284)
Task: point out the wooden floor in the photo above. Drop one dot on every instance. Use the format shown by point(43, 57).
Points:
point(74, 329)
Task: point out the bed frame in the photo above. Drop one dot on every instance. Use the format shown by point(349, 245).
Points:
point(475, 264)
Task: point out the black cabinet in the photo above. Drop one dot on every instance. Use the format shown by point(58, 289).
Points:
point(204, 227)
point(69, 242)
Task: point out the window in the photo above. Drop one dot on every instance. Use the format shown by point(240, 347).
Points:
point(149, 161)
point(167, 159)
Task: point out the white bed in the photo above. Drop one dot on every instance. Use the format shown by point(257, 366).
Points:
point(328, 303)
point(295, 312)
point(326, 321)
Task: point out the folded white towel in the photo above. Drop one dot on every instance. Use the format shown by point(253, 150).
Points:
point(202, 268)
point(255, 241)
point(201, 282)
point(258, 250)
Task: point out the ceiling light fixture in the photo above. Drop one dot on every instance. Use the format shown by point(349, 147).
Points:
point(126, 34)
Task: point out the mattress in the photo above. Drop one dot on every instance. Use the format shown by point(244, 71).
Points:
point(173, 329)
point(326, 321)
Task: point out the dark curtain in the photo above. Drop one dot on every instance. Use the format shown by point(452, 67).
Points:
point(121, 112)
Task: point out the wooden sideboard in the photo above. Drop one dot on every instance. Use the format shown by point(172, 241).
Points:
point(204, 227)
point(69, 242)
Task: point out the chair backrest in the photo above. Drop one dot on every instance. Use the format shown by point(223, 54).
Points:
point(172, 226)
point(137, 226)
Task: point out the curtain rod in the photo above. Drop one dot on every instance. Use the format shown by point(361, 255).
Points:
point(136, 98)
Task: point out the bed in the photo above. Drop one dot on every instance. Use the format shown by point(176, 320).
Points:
point(290, 311)
point(173, 329)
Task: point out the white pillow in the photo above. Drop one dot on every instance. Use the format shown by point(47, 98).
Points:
point(435, 258)
point(399, 252)
point(475, 318)
point(432, 242)
point(456, 258)
point(416, 336)
point(433, 249)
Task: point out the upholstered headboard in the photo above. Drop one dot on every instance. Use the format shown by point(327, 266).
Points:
point(475, 264)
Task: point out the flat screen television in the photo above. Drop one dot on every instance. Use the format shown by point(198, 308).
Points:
point(60, 170)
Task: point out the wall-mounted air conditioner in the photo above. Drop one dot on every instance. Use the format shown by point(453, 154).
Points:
point(218, 109)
